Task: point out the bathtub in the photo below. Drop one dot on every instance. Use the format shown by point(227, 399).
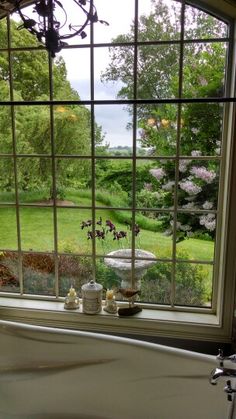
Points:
point(48, 373)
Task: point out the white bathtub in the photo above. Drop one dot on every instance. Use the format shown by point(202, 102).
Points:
point(49, 373)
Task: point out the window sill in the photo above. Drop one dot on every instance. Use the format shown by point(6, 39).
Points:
point(184, 325)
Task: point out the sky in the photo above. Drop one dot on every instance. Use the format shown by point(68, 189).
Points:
point(113, 120)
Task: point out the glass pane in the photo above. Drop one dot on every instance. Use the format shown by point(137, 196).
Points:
point(77, 61)
point(4, 77)
point(198, 137)
point(106, 276)
point(158, 66)
point(74, 226)
point(72, 130)
point(199, 24)
point(113, 68)
point(193, 284)
point(159, 21)
point(152, 233)
point(3, 32)
point(112, 230)
point(113, 182)
point(73, 181)
point(8, 231)
point(157, 130)
point(7, 180)
point(204, 69)
point(5, 129)
point(30, 75)
point(156, 284)
point(32, 129)
point(37, 229)
point(38, 273)
point(199, 229)
point(74, 271)
point(22, 38)
point(34, 179)
point(155, 184)
point(114, 129)
point(9, 276)
point(198, 184)
point(122, 12)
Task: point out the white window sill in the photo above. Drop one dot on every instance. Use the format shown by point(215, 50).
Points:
point(185, 325)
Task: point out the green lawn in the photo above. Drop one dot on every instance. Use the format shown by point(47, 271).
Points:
point(37, 227)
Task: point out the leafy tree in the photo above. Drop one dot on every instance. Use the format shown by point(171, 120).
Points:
point(71, 124)
point(158, 77)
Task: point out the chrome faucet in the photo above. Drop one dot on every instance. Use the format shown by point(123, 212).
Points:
point(217, 373)
point(221, 371)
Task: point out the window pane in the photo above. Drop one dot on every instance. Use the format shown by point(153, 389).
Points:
point(193, 284)
point(157, 130)
point(32, 129)
point(72, 130)
point(204, 69)
point(3, 31)
point(156, 284)
point(9, 276)
point(112, 230)
point(155, 182)
point(198, 184)
point(7, 180)
point(73, 228)
point(152, 233)
point(113, 182)
point(115, 137)
point(4, 77)
point(199, 24)
point(108, 82)
point(34, 179)
point(5, 129)
point(159, 21)
point(74, 271)
point(73, 180)
point(8, 229)
point(198, 137)
point(157, 66)
point(123, 12)
point(38, 273)
point(30, 75)
point(37, 229)
point(78, 74)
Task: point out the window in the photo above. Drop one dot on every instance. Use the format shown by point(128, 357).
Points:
point(119, 153)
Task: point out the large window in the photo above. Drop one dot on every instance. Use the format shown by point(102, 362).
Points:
point(118, 153)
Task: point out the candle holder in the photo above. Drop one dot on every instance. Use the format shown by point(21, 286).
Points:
point(71, 300)
point(110, 303)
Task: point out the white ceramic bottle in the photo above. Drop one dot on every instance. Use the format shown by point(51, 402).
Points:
point(92, 297)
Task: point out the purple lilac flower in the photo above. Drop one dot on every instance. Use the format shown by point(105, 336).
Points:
point(207, 205)
point(196, 153)
point(147, 186)
point(158, 173)
point(168, 186)
point(190, 187)
point(208, 221)
point(183, 165)
point(202, 173)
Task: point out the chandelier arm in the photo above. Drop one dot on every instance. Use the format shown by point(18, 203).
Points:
point(18, 9)
point(88, 14)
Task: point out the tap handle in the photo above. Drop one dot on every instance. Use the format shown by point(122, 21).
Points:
point(221, 357)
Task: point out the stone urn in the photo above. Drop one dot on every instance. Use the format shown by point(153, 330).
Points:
point(123, 265)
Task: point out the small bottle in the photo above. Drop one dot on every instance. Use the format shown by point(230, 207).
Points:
point(71, 300)
point(92, 297)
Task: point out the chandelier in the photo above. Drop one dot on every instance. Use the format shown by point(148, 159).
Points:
point(52, 18)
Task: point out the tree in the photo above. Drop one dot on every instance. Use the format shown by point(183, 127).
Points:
point(158, 77)
point(71, 124)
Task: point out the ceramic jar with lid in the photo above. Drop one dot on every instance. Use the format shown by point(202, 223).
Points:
point(92, 297)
